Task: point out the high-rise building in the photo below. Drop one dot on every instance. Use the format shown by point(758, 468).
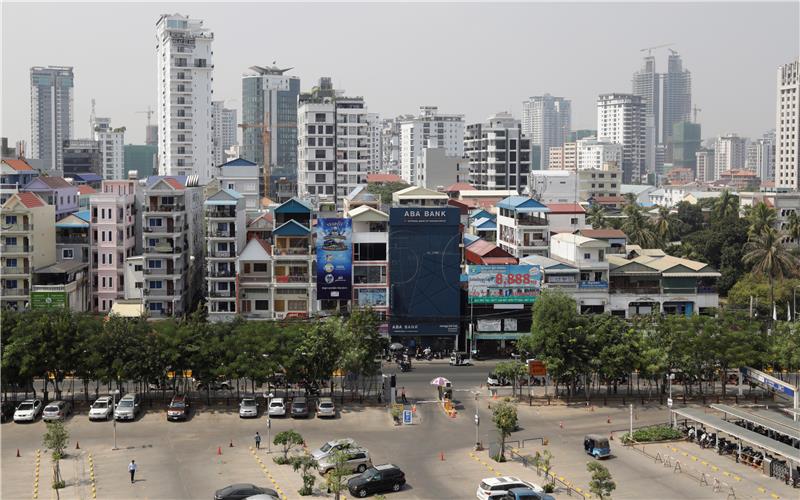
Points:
point(269, 95)
point(677, 97)
point(592, 154)
point(705, 165)
point(730, 153)
point(499, 155)
point(141, 158)
point(151, 135)
point(111, 142)
point(185, 121)
point(761, 157)
point(375, 142)
point(446, 129)
point(333, 143)
point(390, 144)
point(82, 156)
point(621, 119)
point(51, 114)
point(226, 232)
point(646, 84)
point(685, 143)
point(547, 120)
point(787, 127)
point(224, 131)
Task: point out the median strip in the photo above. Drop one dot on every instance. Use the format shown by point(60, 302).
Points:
point(268, 474)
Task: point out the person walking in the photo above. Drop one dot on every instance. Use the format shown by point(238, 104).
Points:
point(132, 469)
point(258, 441)
point(403, 395)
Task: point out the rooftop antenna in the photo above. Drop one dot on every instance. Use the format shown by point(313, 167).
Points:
point(651, 49)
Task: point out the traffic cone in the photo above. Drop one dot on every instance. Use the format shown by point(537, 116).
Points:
point(219, 450)
point(561, 424)
point(608, 420)
point(231, 445)
point(611, 438)
point(18, 455)
point(441, 456)
point(77, 445)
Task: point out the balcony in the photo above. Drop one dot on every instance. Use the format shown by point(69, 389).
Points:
point(527, 220)
point(255, 279)
point(15, 271)
point(16, 228)
point(16, 292)
point(159, 292)
point(6, 249)
point(221, 254)
point(298, 278)
point(221, 293)
point(639, 290)
point(684, 290)
point(283, 252)
point(593, 285)
point(72, 240)
point(229, 213)
point(221, 273)
point(230, 233)
point(168, 229)
point(164, 249)
point(163, 271)
point(178, 207)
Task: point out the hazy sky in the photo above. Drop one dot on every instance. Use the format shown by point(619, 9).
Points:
point(474, 59)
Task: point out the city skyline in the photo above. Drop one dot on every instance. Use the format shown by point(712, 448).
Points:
point(731, 99)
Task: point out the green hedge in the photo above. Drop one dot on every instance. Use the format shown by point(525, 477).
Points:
point(656, 433)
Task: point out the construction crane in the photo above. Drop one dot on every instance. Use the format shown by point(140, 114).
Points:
point(694, 111)
point(651, 49)
point(149, 113)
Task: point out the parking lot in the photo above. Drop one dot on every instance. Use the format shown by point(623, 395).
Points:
point(186, 460)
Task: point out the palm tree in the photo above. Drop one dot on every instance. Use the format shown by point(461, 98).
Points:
point(630, 200)
point(637, 228)
point(597, 217)
point(727, 205)
point(793, 226)
point(761, 217)
point(768, 254)
point(666, 224)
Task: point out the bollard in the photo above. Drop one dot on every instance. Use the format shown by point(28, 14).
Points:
point(77, 445)
point(231, 445)
point(219, 450)
point(441, 456)
point(18, 455)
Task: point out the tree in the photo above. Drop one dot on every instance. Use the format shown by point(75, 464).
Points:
point(784, 348)
point(638, 228)
point(629, 200)
point(760, 218)
point(287, 440)
point(386, 190)
point(725, 207)
point(793, 226)
point(511, 370)
point(305, 463)
point(601, 484)
point(361, 344)
point(691, 217)
point(56, 439)
point(667, 225)
point(596, 216)
point(318, 352)
point(545, 462)
point(769, 255)
point(504, 416)
point(336, 479)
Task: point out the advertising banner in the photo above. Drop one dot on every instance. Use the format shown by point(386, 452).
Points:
point(504, 284)
point(48, 300)
point(371, 297)
point(334, 259)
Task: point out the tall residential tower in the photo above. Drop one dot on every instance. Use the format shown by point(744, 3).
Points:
point(787, 127)
point(621, 119)
point(547, 120)
point(51, 113)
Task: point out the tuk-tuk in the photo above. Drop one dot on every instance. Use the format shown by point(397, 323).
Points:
point(459, 359)
point(597, 446)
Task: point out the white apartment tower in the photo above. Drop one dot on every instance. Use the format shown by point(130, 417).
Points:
point(112, 148)
point(547, 120)
point(446, 130)
point(761, 157)
point(51, 113)
point(621, 119)
point(185, 112)
point(375, 143)
point(787, 127)
point(592, 154)
point(224, 130)
point(705, 165)
point(499, 154)
point(730, 153)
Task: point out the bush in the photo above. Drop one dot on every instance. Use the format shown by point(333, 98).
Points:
point(499, 458)
point(549, 487)
point(281, 460)
point(656, 433)
point(57, 485)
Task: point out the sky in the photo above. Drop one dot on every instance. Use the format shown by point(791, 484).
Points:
point(475, 59)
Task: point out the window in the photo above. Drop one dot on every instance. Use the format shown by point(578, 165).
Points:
point(67, 253)
point(369, 251)
point(573, 220)
point(156, 285)
point(319, 153)
point(319, 178)
point(587, 256)
point(319, 117)
point(155, 222)
point(262, 305)
point(259, 267)
point(138, 284)
point(369, 274)
point(154, 264)
point(11, 262)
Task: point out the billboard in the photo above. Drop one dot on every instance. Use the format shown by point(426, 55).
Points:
point(504, 284)
point(371, 297)
point(48, 300)
point(334, 259)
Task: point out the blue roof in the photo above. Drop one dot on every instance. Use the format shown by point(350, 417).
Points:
point(239, 162)
point(83, 215)
point(294, 206)
point(522, 204)
point(291, 228)
point(88, 177)
point(479, 213)
point(485, 224)
point(469, 239)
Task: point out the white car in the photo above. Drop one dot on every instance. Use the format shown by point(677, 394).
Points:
point(248, 408)
point(493, 486)
point(28, 410)
point(277, 407)
point(326, 408)
point(100, 409)
point(338, 444)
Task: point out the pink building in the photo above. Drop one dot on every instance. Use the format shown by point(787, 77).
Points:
point(113, 239)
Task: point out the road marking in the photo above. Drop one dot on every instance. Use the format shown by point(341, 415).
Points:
point(266, 471)
point(773, 495)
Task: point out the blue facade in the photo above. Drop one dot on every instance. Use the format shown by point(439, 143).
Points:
point(424, 271)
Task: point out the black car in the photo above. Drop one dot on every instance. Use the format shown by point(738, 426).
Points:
point(7, 411)
point(299, 407)
point(386, 477)
point(243, 490)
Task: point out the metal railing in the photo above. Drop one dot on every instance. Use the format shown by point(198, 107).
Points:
point(165, 208)
point(15, 270)
point(16, 227)
point(16, 248)
point(16, 292)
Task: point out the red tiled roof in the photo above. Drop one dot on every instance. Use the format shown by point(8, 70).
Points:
point(459, 186)
point(265, 245)
point(609, 199)
point(86, 189)
point(499, 260)
point(55, 182)
point(175, 183)
point(17, 164)
point(30, 200)
point(565, 208)
point(602, 233)
point(383, 178)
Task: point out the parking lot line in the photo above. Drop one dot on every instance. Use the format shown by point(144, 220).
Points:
point(267, 473)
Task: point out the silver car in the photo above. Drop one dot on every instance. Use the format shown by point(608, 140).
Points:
point(328, 448)
point(101, 409)
point(57, 410)
point(277, 407)
point(326, 408)
point(248, 408)
point(358, 460)
point(127, 407)
point(28, 410)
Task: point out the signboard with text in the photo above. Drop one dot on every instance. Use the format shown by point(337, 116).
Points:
point(504, 284)
point(48, 300)
point(334, 259)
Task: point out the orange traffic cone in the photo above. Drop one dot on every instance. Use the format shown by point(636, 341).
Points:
point(77, 445)
point(611, 438)
point(608, 420)
point(231, 445)
point(18, 455)
point(561, 424)
point(219, 450)
point(441, 456)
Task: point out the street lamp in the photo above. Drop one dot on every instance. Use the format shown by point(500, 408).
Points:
point(269, 423)
point(113, 416)
point(477, 424)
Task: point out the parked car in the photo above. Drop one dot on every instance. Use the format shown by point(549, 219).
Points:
point(338, 444)
point(28, 410)
point(56, 410)
point(358, 461)
point(215, 385)
point(240, 491)
point(494, 380)
point(300, 407)
point(128, 407)
point(100, 409)
point(277, 408)
point(326, 408)
point(248, 408)
point(7, 413)
point(386, 477)
point(178, 408)
point(525, 494)
point(492, 486)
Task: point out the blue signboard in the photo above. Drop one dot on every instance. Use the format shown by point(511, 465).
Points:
point(504, 284)
point(406, 417)
point(334, 259)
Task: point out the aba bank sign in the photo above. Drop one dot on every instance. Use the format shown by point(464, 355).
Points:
point(409, 216)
